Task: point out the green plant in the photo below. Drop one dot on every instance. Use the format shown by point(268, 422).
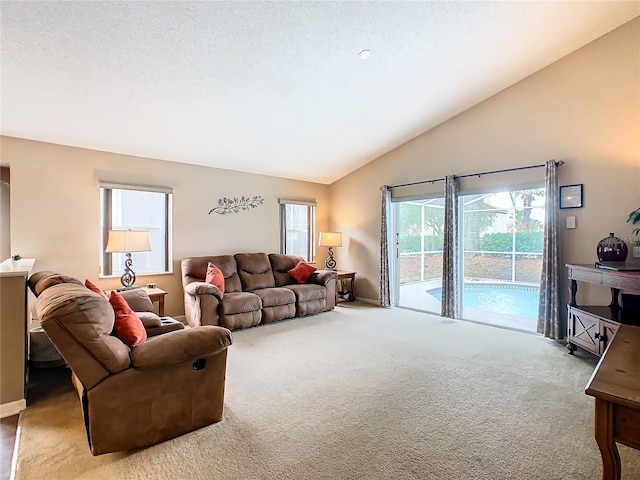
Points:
point(634, 217)
point(15, 257)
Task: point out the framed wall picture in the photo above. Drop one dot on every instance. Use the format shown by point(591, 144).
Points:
point(571, 196)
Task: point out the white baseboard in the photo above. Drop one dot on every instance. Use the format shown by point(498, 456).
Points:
point(12, 408)
point(360, 299)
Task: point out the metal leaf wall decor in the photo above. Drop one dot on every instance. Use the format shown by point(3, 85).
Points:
point(236, 205)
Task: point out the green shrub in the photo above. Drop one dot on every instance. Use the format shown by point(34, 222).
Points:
point(502, 242)
point(490, 242)
point(411, 244)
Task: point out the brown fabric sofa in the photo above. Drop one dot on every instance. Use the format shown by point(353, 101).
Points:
point(257, 290)
point(132, 398)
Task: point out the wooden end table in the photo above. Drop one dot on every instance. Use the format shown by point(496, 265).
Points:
point(614, 384)
point(157, 295)
point(341, 278)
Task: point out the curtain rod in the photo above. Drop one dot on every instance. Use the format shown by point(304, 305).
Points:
point(558, 164)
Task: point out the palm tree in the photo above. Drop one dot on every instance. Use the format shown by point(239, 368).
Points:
point(528, 196)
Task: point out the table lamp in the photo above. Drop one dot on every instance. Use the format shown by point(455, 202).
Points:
point(330, 239)
point(127, 241)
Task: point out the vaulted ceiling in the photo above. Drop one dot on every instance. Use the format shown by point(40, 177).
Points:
point(274, 88)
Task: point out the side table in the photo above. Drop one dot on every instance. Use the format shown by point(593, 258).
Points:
point(343, 289)
point(157, 295)
point(614, 384)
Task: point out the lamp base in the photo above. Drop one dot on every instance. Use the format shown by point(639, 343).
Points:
point(330, 263)
point(128, 287)
point(128, 278)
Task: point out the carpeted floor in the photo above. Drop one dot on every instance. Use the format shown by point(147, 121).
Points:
point(361, 393)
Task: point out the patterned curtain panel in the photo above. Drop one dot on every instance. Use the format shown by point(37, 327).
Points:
point(450, 262)
point(550, 319)
point(385, 247)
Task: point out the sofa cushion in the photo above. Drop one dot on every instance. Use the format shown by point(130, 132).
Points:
point(278, 312)
point(128, 327)
point(275, 296)
point(281, 264)
point(255, 271)
point(240, 302)
point(215, 276)
point(311, 307)
point(194, 269)
point(302, 271)
point(137, 299)
point(241, 320)
point(308, 292)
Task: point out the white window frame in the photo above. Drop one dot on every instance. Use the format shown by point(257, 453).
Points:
point(106, 219)
point(311, 225)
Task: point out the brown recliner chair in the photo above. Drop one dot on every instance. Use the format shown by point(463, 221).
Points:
point(132, 398)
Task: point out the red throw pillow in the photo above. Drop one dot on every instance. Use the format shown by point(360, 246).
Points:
point(94, 288)
point(302, 271)
point(128, 326)
point(215, 276)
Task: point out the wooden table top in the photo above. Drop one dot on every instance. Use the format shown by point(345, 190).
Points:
point(617, 377)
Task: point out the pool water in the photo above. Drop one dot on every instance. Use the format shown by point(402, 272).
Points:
point(511, 299)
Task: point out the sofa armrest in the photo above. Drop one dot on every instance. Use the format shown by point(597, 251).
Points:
point(181, 346)
point(149, 319)
point(203, 288)
point(167, 325)
point(322, 277)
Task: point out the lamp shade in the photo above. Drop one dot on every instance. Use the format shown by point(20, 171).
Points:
point(126, 241)
point(330, 239)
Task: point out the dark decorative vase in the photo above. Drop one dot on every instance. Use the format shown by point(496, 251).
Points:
point(612, 249)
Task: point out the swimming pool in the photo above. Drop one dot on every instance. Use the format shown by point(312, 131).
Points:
point(509, 298)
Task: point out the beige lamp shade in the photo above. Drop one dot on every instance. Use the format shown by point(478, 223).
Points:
point(330, 239)
point(126, 241)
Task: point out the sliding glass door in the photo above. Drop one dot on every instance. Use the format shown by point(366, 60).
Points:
point(419, 234)
point(501, 236)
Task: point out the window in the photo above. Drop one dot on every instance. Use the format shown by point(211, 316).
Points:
point(125, 207)
point(298, 228)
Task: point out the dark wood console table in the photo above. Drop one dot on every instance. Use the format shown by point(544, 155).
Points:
point(615, 384)
point(592, 327)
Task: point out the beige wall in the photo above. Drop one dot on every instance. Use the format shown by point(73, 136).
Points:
point(55, 208)
point(583, 109)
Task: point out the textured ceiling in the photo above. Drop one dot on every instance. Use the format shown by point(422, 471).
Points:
point(274, 88)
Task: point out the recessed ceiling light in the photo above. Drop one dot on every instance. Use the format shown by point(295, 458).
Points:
point(364, 54)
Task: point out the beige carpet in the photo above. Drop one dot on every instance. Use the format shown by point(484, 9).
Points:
point(361, 393)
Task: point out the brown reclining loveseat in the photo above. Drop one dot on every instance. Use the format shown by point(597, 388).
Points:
point(257, 290)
